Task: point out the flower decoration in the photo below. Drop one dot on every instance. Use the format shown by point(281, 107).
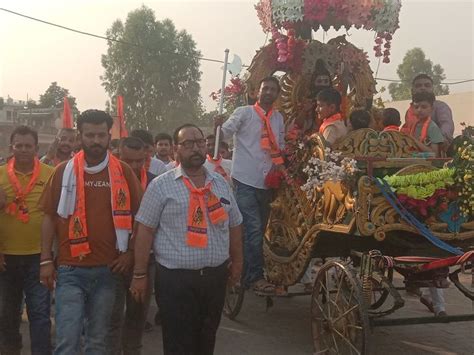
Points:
point(381, 16)
point(463, 163)
point(333, 168)
point(233, 94)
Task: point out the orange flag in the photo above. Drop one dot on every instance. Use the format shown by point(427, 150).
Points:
point(121, 118)
point(67, 115)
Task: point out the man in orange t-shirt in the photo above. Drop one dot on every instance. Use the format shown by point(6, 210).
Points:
point(89, 203)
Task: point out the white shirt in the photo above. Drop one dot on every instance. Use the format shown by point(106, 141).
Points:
point(157, 167)
point(250, 163)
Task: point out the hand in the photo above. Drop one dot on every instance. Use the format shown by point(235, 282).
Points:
point(3, 199)
point(48, 276)
point(138, 289)
point(219, 121)
point(2, 263)
point(235, 272)
point(123, 264)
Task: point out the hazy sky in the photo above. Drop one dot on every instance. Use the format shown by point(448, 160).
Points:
point(33, 55)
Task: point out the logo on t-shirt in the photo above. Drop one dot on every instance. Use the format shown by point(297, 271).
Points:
point(97, 184)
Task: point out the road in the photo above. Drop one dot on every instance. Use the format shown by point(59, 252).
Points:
point(286, 329)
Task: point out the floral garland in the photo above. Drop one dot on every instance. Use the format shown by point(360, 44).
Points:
point(421, 185)
point(333, 168)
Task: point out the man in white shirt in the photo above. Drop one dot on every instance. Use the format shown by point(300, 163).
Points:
point(164, 150)
point(258, 133)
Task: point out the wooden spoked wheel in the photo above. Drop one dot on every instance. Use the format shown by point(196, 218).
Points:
point(339, 317)
point(234, 298)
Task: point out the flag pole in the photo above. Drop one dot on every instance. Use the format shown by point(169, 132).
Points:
point(221, 105)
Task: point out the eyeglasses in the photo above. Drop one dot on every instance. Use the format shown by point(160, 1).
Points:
point(189, 144)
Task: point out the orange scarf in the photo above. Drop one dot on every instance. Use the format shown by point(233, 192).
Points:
point(268, 141)
point(391, 128)
point(410, 121)
point(217, 166)
point(143, 178)
point(18, 206)
point(121, 211)
point(424, 130)
point(330, 120)
point(196, 236)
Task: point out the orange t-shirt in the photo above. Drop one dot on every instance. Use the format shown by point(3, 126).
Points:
point(100, 225)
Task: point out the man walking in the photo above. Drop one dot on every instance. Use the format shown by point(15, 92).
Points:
point(258, 132)
point(89, 205)
point(191, 217)
point(22, 181)
point(164, 150)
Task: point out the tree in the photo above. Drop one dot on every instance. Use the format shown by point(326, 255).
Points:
point(157, 74)
point(414, 63)
point(54, 97)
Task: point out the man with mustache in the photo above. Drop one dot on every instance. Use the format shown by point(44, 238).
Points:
point(22, 181)
point(89, 204)
point(191, 216)
point(258, 132)
point(62, 149)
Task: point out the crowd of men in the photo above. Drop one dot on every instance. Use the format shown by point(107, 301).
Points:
point(104, 225)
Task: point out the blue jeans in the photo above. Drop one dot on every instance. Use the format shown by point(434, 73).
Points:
point(254, 204)
point(22, 277)
point(85, 298)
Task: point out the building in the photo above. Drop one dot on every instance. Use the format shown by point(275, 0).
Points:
point(14, 113)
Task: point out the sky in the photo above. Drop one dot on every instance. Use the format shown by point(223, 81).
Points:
point(33, 55)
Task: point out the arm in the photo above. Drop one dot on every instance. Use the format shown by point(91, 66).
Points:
point(47, 271)
point(444, 120)
point(233, 123)
point(236, 254)
point(142, 243)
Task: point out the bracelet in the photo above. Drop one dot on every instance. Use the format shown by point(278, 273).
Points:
point(46, 262)
point(135, 276)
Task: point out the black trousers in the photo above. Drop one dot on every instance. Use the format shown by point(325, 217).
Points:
point(191, 303)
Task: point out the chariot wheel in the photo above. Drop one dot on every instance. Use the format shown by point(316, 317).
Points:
point(339, 317)
point(234, 298)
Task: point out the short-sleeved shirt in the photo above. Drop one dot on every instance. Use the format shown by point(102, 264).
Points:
point(335, 131)
point(16, 237)
point(100, 225)
point(165, 208)
point(434, 134)
point(250, 163)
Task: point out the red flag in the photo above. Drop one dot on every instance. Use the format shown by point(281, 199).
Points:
point(121, 118)
point(67, 115)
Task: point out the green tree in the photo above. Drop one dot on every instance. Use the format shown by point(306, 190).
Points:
point(158, 77)
point(414, 63)
point(54, 97)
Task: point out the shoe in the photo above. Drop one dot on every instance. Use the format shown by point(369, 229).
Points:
point(441, 314)
point(427, 303)
point(148, 327)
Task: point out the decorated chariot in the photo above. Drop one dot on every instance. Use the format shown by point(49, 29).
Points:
point(372, 203)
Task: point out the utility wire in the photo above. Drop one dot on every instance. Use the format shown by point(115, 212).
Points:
point(168, 52)
point(107, 38)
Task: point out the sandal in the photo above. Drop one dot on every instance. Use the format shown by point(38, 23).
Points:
point(264, 288)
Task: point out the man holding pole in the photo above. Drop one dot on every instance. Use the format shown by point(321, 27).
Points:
point(258, 132)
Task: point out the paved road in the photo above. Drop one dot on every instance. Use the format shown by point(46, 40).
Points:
point(285, 329)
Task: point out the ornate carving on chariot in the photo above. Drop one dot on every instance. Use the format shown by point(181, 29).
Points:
point(370, 143)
